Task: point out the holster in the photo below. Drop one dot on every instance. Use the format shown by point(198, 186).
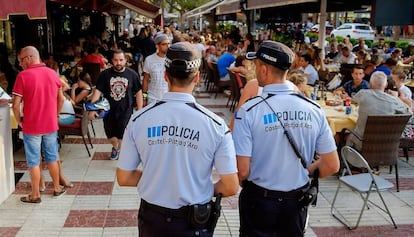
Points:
point(310, 195)
point(199, 215)
point(215, 213)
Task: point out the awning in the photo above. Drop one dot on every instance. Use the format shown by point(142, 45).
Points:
point(308, 6)
point(203, 9)
point(228, 7)
point(114, 6)
point(256, 4)
point(140, 7)
point(34, 9)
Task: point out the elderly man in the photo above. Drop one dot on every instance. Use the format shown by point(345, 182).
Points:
point(41, 90)
point(375, 102)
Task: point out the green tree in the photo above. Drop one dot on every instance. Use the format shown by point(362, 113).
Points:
point(179, 6)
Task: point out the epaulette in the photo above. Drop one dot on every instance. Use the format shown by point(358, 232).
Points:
point(194, 106)
point(155, 105)
point(306, 99)
point(263, 99)
point(271, 95)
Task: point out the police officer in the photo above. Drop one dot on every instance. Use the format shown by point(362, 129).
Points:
point(271, 173)
point(177, 142)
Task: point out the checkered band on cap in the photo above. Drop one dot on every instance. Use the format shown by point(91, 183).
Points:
point(189, 65)
point(182, 57)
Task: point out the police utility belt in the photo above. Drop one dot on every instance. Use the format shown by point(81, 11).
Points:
point(263, 192)
point(198, 216)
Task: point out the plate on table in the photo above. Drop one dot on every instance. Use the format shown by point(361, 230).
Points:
point(333, 102)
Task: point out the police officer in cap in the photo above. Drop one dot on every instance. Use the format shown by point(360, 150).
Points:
point(272, 176)
point(177, 142)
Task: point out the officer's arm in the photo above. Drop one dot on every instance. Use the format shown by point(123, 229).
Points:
point(328, 164)
point(243, 167)
point(128, 178)
point(228, 185)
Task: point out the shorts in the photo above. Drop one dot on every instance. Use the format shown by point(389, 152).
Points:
point(33, 143)
point(66, 119)
point(115, 128)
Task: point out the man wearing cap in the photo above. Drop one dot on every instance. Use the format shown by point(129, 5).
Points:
point(272, 176)
point(178, 142)
point(153, 85)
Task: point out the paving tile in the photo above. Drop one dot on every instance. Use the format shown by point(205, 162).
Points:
point(86, 218)
point(9, 231)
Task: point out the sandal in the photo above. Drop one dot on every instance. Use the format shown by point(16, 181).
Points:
point(28, 199)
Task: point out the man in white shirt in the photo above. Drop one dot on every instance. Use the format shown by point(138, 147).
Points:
point(153, 85)
point(309, 70)
point(347, 56)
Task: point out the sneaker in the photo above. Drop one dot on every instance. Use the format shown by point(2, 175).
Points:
point(59, 193)
point(114, 154)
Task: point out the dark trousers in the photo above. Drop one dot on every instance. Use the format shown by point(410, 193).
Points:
point(156, 221)
point(270, 216)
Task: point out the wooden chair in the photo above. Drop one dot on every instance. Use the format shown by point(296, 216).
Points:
point(94, 69)
point(235, 91)
point(381, 140)
point(218, 84)
point(78, 128)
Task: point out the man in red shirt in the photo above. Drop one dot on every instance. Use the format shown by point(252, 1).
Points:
point(92, 57)
point(41, 90)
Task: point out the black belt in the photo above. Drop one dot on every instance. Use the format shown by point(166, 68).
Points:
point(254, 188)
point(181, 212)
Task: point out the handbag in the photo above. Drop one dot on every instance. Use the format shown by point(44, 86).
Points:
point(102, 106)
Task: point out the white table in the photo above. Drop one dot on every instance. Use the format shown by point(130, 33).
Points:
point(6, 155)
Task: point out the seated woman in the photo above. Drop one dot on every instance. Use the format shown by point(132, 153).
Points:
point(67, 114)
point(298, 78)
point(81, 89)
point(239, 69)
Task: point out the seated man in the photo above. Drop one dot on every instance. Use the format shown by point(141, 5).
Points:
point(347, 56)
point(225, 61)
point(375, 102)
point(92, 57)
point(305, 62)
point(356, 84)
point(387, 66)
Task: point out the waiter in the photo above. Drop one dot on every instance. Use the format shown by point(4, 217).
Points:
point(177, 142)
point(272, 175)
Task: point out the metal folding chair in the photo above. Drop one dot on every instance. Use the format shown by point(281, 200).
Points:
point(362, 183)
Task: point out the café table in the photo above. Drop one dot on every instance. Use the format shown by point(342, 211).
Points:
point(336, 114)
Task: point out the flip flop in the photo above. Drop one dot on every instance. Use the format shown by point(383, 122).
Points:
point(28, 199)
